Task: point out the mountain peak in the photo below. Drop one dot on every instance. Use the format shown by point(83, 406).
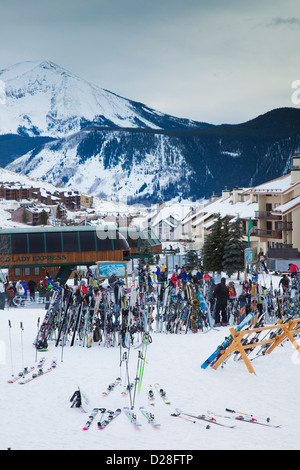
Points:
point(44, 99)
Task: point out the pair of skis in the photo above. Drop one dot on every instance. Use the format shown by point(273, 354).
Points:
point(107, 416)
point(39, 372)
point(131, 415)
point(162, 394)
point(26, 370)
point(210, 418)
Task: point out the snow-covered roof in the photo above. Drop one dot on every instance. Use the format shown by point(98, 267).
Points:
point(288, 205)
point(224, 207)
point(278, 185)
point(178, 211)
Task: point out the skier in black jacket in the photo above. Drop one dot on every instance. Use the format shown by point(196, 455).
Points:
point(221, 293)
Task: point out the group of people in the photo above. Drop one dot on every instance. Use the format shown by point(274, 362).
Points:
point(11, 289)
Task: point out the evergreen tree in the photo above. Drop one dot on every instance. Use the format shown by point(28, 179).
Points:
point(192, 259)
point(44, 217)
point(213, 247)
point(233, 258)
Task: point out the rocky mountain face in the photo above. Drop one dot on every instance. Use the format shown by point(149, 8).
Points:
point(62, 129)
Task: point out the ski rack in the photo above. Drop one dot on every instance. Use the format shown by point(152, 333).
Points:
point(286, 331)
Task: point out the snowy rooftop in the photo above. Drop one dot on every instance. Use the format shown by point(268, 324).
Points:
point(288, 205)
point(278, 185)
point(224, 207)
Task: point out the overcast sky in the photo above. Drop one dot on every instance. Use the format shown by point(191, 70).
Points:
point(215, 61)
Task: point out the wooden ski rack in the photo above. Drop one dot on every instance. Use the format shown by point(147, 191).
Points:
point(287, 331)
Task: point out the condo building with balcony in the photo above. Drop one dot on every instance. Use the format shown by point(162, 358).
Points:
point(278, 212)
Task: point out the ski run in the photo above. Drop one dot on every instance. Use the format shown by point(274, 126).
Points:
point(76, 394)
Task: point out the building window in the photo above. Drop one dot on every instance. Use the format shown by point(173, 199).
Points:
point(87, 241)
point(70, 241)
point(53, 242)
point(4, 244)
point(17, 272)
point(19, 243)
point(36, 243)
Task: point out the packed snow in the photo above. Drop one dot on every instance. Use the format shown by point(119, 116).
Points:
point(38, 415)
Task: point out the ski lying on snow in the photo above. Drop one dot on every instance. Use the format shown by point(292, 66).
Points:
point(245, 417)
point(188, 418)
point(20, 375)
point(111, 416)
point(131, 416)
point(39, 373)
point(246, 414)
point(91, 418)
point(151, 398)
point(111, 387)
point(149, 416)
point(162, 393)
point(255, 421)
point(209, 419)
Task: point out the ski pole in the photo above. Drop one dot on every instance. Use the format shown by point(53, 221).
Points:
point(38, 327)
point(125, 358)
point(136, 376)
point(11, 356)
point(22, 349)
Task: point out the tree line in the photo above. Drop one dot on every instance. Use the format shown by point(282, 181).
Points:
point(223, 248)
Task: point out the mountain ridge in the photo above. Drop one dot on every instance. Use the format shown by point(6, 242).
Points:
point(131, 151)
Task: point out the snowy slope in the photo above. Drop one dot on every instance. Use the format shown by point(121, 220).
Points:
point(38, 415)
point(42, 98)
point(108, 164)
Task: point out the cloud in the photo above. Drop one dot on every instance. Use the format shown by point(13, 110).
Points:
point(280, 21)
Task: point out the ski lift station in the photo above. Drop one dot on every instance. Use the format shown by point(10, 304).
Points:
point(31, 253)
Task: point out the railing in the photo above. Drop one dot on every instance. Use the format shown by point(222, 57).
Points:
point(265, 215)
point(284, 225)
point(267, 233)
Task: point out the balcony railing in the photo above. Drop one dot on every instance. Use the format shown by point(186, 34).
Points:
point(268, 233)
point(266, 215)
point(284, 225)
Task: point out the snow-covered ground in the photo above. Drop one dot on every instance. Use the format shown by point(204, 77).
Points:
point(38, 415)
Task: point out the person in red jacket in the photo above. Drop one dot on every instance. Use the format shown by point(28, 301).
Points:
point(293, 268)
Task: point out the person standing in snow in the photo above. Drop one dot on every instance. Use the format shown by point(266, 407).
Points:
point(221, 294)
point(285, 283)
point(293, 268)
point(32, 287)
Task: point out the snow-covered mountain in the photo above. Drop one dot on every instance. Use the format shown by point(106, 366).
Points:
point(57, 127)
point(110, 164)
point(43, 99)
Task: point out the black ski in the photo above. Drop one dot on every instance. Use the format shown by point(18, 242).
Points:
point(111, 416)
point(91, 418)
